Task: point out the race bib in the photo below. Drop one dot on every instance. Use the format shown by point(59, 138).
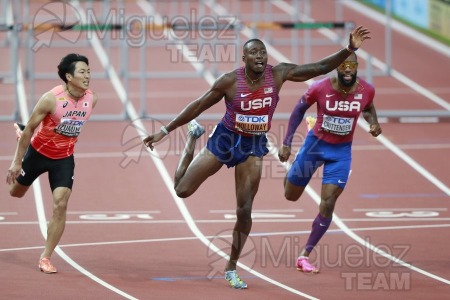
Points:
point(69, 127)
point(337, 125)
point(252, 124)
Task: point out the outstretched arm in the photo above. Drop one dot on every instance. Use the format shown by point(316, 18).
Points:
point(294, 120)
point(370, 115)
point(193, 109)
point(293, 72)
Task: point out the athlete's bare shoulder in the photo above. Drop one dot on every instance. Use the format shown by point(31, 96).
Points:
point(229, 77)
point(48, 99)
point(226, 81)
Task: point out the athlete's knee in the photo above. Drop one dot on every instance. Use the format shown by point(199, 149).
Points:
point(60, 206)
point(183, 191)
point(244, 214)
point(290, 196)
point(326, 210)
point(60, 201)
point(15, 192)
point(292, 192)
point(327, 206)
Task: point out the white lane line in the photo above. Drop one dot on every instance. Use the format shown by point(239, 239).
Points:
point(87, 155)
point(315, 196)
point(256, 220)
point(401, 209)
point(408, 159)
point(256, 234)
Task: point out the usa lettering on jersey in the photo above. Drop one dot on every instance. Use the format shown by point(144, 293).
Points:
point(256, 104)
point(343, 105)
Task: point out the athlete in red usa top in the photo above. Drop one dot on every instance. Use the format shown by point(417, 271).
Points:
point(60, 115)
point(239, 140)
point(340, 100)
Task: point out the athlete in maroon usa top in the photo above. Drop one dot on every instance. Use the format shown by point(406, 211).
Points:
point(340, 101)
point(250, 112)
point(337, 112)
point(239, 140)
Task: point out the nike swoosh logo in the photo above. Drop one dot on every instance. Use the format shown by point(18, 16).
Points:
point(329, 95)
point(244, 95)
point(322, 225)
point(339, 181)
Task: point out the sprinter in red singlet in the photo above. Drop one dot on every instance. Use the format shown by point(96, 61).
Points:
point(239, 140)
point(340, 101)
point(60, 115)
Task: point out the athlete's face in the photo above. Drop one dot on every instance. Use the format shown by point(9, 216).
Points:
point(255, 57)
point(347, 71)
point(81, 76)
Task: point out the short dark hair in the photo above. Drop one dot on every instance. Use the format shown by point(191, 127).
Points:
point(67, 64)
point(251, 41)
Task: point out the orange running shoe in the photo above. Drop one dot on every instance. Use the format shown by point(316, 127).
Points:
point(310, 122)
point(45, 265)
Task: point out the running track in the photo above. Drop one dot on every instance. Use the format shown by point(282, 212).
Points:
point(128, 236)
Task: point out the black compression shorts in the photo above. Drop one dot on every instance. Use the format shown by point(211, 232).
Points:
point(60, 171)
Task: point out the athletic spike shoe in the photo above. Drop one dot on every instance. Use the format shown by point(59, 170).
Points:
point(233, 279)
point(195, 129)
point(19, 128)
point(310, 122)
point(45, 265)
point(304, 265)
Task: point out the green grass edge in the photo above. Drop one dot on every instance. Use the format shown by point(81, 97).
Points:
point(427, 32)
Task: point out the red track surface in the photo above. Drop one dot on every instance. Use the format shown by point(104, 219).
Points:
point(126, 227)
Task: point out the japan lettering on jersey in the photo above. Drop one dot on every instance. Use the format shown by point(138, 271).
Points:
point(337, 114)
point(251, 112)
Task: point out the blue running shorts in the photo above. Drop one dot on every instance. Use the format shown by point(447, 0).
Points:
point(336, 159)
point(231, 148)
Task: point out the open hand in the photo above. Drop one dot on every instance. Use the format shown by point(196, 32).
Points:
point(13, 173)
point(153, 138)
point(358, 36)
